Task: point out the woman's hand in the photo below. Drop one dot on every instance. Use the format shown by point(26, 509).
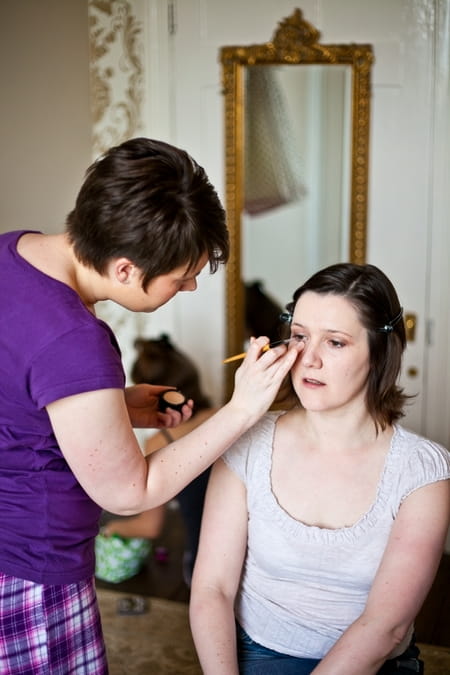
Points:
point(261, 374)
point(142, 403)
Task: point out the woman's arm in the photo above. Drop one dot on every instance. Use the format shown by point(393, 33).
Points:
point(223, 544)
point(96, 437)
point(147, 525)
point(400, 587)
point(150, 523)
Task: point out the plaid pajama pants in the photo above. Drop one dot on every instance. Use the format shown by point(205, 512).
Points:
point(50, 630)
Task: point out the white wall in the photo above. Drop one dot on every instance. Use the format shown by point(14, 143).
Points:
point(45, 124)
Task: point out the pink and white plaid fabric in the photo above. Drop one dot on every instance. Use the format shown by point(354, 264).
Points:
point(50, 630)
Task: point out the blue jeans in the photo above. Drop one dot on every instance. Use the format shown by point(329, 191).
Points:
point(254, 659)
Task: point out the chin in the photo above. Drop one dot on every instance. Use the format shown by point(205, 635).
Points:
point(311, 404)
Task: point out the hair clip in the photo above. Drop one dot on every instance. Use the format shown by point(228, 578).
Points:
point(389, 326)
point(286, 317)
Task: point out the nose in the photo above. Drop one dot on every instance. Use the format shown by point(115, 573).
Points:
point(310, 355)
point(190, 285)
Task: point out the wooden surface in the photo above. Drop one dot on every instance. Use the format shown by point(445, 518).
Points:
point(157, 642)
point(436, 659)
point(433, 622)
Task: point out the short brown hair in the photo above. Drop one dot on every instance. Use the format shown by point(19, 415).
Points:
point(152, 203)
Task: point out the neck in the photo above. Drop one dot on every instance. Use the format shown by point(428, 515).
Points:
point(83, 280)
point(339, 430)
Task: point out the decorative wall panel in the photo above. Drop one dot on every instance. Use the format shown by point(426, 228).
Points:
point(116, 71)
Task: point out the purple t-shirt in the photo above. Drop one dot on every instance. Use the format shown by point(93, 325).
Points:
point(51, 347)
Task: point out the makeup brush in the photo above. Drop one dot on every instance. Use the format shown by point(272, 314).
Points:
point(237, 357)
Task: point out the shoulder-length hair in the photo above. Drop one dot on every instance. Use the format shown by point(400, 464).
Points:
point(376, 302)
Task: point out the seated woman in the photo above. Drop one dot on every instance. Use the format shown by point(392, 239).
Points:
point(159, 361)
point(324, 524)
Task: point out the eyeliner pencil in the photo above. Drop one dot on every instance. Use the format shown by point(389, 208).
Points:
point(237, 357)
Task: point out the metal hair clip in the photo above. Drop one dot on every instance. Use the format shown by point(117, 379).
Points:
point(286, 317)
point(389, 327)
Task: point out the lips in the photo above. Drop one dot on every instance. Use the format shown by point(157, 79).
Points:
point(311, 382)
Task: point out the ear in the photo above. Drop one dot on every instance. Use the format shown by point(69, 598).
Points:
point(124, 270)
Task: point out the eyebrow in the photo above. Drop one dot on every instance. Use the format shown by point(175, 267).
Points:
point(332, 331)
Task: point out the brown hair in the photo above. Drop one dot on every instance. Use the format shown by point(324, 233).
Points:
point(160, 362)
point(152, 203)
point(375, 300)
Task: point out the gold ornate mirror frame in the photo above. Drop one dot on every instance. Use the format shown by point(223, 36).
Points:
point(294, 42)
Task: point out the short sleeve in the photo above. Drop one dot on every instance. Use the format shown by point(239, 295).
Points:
point(427, 462)
point(236, 457)
point(247, 455)
point(86, 358)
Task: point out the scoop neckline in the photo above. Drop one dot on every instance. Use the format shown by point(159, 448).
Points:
point(367, 518)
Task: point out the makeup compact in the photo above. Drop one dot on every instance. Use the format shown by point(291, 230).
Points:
point(172, 398)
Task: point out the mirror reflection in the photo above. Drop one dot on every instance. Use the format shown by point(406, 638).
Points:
point(296, 147)
point(297, 167)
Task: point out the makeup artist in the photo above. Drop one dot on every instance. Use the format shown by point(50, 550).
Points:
point(145, 223)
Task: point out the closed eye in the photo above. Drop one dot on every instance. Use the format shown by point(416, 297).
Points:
point(298, 338)
point(337, 343)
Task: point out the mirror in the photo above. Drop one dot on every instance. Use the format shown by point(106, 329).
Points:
point(296, 151)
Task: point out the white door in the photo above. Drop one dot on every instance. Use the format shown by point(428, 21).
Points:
point(403, 153)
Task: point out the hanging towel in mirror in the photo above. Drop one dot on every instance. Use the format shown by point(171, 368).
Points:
point(272, 165)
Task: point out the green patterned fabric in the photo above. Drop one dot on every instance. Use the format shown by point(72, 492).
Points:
point(119, 558)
